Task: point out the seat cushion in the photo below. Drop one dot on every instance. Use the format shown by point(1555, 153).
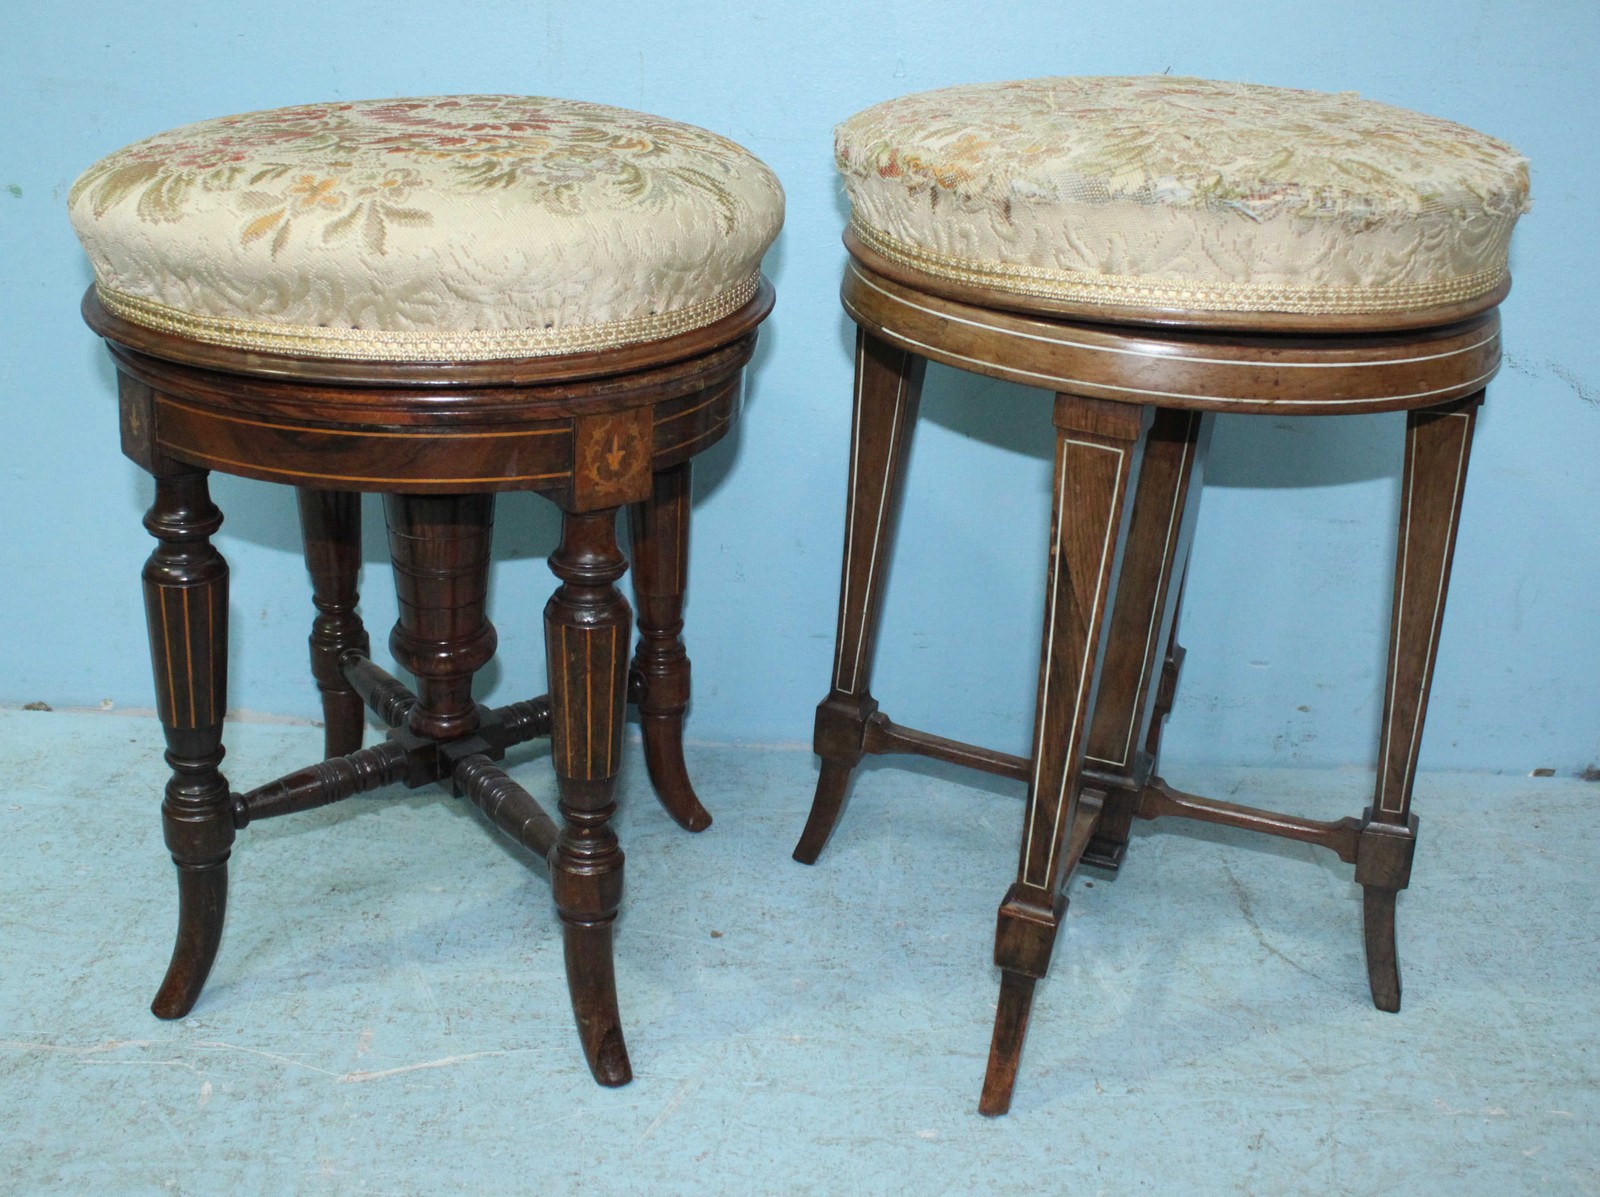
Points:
point(1184, 195)
point(448, 228)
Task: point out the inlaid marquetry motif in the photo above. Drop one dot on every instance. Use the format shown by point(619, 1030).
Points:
point(611, 458)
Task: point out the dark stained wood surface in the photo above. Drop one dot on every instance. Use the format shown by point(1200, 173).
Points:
point(330, 528)
point(595, 433)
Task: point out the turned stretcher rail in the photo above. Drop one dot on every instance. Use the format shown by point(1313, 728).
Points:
point(509, 807)
point(323, 783)
point(1340, 836)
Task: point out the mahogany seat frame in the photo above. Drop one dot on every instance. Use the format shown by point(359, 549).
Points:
point(594, 433)
point(1132, 413)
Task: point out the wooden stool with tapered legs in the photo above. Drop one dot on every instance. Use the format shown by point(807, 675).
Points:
point(440, 300)
point(1155, 250)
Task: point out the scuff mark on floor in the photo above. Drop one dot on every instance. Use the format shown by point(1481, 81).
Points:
point(356, 1078)
point(1243, 901)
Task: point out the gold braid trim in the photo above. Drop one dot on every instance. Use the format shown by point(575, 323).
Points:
point(1130, 291)
point(365, 344)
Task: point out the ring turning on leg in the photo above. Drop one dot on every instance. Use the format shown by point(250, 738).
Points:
point(659, 531)
point(186, 604)
point(586, 627)
point(330, 525)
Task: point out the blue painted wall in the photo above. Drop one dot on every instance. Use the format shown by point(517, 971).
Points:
point(1289, 589)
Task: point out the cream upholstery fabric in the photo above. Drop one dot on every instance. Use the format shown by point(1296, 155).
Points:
point(1183, 193)
point(445, 228)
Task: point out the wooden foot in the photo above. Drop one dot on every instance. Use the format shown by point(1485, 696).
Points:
point(202, 907)
point(1097, 462)
point(826, 806)
point(659, 531)
point(592, 982)
point(586, 639)
point(330, 525)
point(186, 605)
point(888, 392)
point(1005, 1049)
point(1383, 961)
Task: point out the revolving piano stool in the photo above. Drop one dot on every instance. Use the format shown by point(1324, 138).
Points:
point(1155, 250)
point(438, 299)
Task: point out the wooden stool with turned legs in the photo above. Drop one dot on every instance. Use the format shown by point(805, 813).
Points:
point(570, 387)
point(1139, 365)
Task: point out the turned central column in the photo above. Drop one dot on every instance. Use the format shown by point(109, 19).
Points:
point(440, 548)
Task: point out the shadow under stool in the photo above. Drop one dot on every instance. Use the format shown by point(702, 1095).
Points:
point(440, 300)
point(1156, 250)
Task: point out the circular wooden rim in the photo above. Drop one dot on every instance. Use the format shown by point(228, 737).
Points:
point(1002, 300)
point(505, 372)
point(1191, 369)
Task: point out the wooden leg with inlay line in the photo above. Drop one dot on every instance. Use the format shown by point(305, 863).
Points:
point(659, 534)
point(1148, 585)
point(186, 605)
point(1097, 462)
point(888, 389)
point(1438, 444)
point(587, 631)
point(330, 525)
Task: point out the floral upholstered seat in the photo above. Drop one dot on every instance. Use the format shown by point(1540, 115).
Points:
point(445, 228)
point(1183, 195)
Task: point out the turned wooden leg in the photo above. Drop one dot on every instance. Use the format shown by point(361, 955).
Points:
point(440, 548)
point(586, 628)
point(330, 525)
point(659, 530)
point(1142, 619)
point(186, 605)
point(1438, 443)
point(888, 389)
point(1097, 459)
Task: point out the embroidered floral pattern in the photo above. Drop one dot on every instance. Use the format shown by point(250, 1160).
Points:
point(293, 166)
point(1170, 179)
point(444, 213)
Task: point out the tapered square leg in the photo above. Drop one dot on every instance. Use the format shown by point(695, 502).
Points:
point(888, 390)
point(1097, 464)
point(1438, 444)
point(1142, 620)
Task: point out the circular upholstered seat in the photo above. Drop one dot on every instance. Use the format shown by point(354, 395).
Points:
point(448, 228)
point(1159, 197)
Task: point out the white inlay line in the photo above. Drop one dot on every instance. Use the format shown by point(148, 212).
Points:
point(1166, 357)
point(1085, 668)
point(877, 531)
point(1062, 383)
point(849, 514)
point(1398, 805)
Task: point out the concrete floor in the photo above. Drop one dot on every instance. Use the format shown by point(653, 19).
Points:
point(389, 1014)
